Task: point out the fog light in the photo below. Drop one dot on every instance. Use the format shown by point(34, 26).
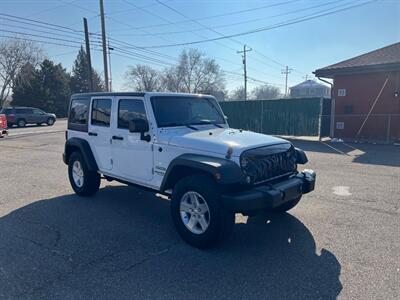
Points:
point(248, 179)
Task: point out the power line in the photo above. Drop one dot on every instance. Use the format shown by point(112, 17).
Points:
point(74, 37)
point(229, 24)
point(41, 36)
point(278, 25)
point(214, 16)
point(40, 22)
point(38, 41)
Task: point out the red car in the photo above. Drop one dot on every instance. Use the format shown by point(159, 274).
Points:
point(3, 126)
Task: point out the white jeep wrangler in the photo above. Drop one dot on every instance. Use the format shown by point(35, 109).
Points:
point(180, 145)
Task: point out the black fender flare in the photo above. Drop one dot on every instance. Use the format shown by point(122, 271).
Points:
point(83, 146)
point(224, 171)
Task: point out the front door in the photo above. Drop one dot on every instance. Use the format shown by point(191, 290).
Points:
point(99, 133)
point(132, 156)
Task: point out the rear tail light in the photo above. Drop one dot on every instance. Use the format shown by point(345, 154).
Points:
point(11, 117)
point(3, 122)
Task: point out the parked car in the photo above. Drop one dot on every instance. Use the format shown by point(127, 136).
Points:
point(21, 116)
point(181, 146)
point(3, 125)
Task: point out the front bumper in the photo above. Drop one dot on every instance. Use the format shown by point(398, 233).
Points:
point(271, 195)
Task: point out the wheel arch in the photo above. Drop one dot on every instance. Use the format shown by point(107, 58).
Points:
point(81, 145)
point(223, 171)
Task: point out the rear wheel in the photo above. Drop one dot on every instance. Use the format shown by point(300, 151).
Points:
point(197, 212)
point(83, 181)
point(21, 123)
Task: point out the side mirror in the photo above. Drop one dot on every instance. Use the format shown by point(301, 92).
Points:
point(141, 126)
point(226, 118)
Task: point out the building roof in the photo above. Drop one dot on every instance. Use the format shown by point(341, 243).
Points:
point(383, 59)
point(308, 84)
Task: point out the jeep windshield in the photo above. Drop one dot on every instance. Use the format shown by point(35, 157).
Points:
point(172, 111)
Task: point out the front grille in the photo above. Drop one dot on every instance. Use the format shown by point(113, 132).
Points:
point(270, 162)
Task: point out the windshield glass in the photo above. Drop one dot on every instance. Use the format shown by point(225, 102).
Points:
point(180, 111)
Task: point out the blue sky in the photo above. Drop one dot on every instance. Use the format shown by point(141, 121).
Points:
point(303, 46)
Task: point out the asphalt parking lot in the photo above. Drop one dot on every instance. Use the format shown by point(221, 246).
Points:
point(342, 240)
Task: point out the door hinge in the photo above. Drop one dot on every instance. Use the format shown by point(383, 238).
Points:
point(152, 147)
point(111, 161)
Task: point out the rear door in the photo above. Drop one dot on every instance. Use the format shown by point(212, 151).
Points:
point(99, 134)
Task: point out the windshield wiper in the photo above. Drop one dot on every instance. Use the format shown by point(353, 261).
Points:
point(209, 123)
point(179, 124)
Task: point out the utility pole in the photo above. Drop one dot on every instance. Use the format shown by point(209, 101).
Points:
point(89, 60)
point(245, 50)
point(286, 71)
point(109, 63)
point(104, 42)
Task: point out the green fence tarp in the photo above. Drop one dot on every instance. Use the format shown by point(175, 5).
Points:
point(296, 117)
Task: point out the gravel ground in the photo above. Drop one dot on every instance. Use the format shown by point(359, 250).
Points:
point(342, 240)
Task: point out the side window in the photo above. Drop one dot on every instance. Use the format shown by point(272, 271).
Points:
point(38, 112)
point(79, 111)
point(26, 111)
point(101, 112)
point(128, 110)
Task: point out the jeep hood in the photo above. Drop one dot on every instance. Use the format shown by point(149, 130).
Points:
point(219, 140)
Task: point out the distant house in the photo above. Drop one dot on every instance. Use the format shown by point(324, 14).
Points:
point(365, 96)
point(310, 89)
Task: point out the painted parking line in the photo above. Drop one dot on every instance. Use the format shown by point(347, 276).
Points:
point(333, 148)
point(27, 133)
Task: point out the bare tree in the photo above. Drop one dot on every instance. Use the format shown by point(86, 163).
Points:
point(265, 92)
point(237, 94)
point(143, 78)
point(194, 73)
point(14, 55)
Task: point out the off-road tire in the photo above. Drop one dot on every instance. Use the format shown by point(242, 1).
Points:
point(91, 181)
point(286, 206)
point(221, 221)
point(21, 123)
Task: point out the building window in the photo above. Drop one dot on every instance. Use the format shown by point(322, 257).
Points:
point(341, 92)
point(339, 125)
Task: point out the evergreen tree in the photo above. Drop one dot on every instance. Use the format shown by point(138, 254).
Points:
point(47, 88)
point(79, 78)
point(27, 90)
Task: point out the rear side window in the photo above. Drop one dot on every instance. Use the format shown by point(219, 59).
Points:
point(101, 112)
point(128, 110)
point(79, 111)
point(26, 111)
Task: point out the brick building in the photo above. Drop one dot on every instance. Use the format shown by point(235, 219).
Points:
point(365, 95)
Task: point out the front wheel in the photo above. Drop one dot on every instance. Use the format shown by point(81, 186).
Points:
point(50, 121)
point(83, 181)
point(197, 212)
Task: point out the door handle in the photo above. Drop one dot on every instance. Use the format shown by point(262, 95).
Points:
point(92, 133)
point(116, 137)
